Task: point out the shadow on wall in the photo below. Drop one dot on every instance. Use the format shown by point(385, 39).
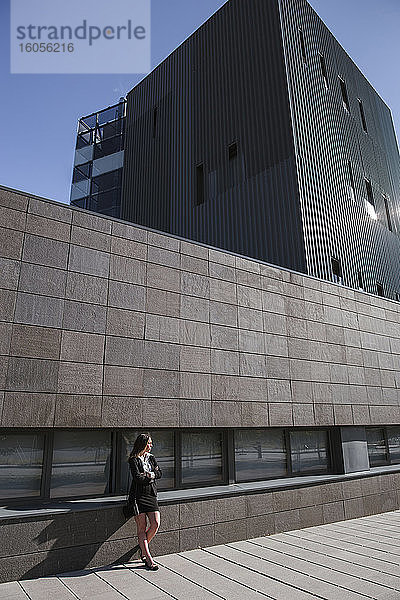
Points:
point(72, 541)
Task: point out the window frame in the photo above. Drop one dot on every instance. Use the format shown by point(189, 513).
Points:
point(228, 466)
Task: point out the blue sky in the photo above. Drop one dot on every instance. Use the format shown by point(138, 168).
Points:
point(40, 112)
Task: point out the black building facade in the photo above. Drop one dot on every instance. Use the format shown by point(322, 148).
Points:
point(260, 135)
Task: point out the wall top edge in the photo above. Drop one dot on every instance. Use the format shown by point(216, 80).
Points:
point(335, 286)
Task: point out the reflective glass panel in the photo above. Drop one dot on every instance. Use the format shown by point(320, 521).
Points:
point(309, 451)
point(259, 454)
point(394, 443)
point(81, 172)
point(108, 181)
point(108, 163)
point(80, 189)
point(83, 155)
point(163, 450)
point(109, 146)
point(376, 446)
point(109, 114)
point(201, 457)
point(88, 122)
point(84, 139)
point(21, 459)
point(81, 463)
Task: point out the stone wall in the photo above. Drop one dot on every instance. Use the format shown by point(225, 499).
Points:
point(98, 316)
point(38, 546)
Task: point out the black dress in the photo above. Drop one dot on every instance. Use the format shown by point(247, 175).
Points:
point(143, 492)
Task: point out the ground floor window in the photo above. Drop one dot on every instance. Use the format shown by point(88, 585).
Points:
point(81, 464)
point(85, 463)
point(21, 461)
point(383, 445)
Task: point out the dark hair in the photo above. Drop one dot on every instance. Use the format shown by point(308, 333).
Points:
point(140, 444)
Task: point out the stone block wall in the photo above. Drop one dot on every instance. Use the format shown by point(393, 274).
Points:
point(100, 318)
point(58, 543)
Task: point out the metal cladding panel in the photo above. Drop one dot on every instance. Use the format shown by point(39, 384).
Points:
point(327, 136)
point(225, 85)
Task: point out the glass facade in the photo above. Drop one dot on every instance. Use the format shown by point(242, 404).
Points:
point(99, 156)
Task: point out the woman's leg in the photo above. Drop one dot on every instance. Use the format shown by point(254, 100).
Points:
point(142, 537)
point(154, 524)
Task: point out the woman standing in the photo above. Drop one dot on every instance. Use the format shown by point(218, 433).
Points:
point(142, 499)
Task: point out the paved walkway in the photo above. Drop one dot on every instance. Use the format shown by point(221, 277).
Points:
point(349, 560)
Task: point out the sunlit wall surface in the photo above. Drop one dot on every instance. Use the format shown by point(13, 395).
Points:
point(99, 157)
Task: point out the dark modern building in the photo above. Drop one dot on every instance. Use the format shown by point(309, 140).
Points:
point(260, 135)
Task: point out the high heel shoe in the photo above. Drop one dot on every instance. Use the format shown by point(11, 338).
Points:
point(150, 567)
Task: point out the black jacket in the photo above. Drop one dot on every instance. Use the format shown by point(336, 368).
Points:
point(141, 484)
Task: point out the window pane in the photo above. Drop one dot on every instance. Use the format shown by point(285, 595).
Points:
point(81, 463)
point(309, 451)
point(376, 446)
point(21, 459)
point(201, 457)
point(259, 454)
point(163, 450)
point(394, 443)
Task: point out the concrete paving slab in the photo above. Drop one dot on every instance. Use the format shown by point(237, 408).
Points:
point(322, 576)
point(89, 586)
point(363, 539)
point(353, 547)
point(353, 559)
point(226, 587)
point(349, 560)
point(47, 588)
point(246, 576)
point(338, 565)
point(127, 580)
point(12, 591)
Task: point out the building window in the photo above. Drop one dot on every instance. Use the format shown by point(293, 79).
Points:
point(163, 450)
point(93, 463)
point(260, 454)
point(377, 447)
point(362, 115)
point(352, 184)
point(370, 201)
point(309, 452)
point(201, 458)
point(232, 151)
point(388, 219)
point(393, 435)
point(199, 184)
point(21, 461)
point(345, 96)
point(336, 270)
point(370, 195)
point(302, 46)
point(360, 281)
point(324, 72)
point(81, 463)
point(379, 289)
point(155, 114)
